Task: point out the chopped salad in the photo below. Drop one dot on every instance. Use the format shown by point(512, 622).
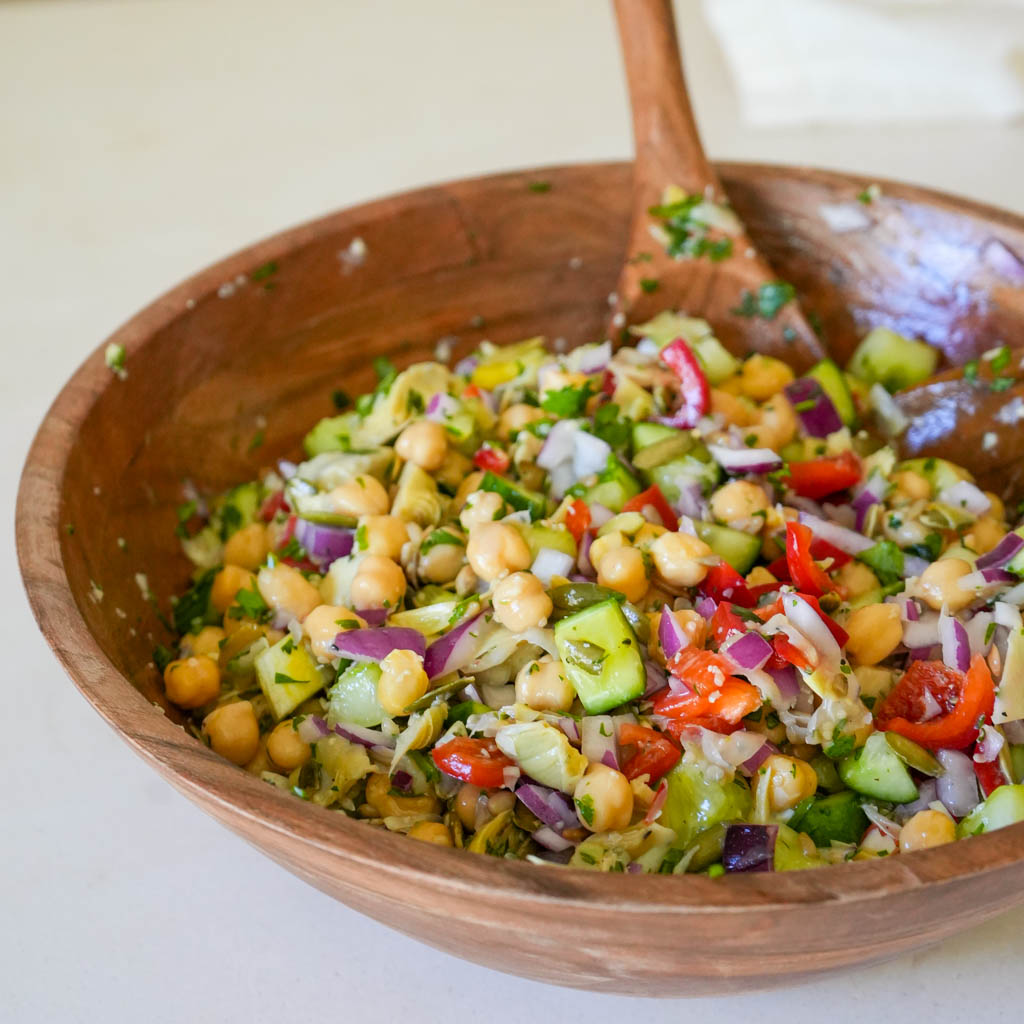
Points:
point(652, 610)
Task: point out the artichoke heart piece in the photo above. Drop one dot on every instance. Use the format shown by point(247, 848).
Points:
point(329, 469)
point(423, 729)
point(402, 403)
point(544, 753)
point(418, 498)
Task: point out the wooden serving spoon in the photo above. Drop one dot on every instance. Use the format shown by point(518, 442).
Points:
point(725, 281)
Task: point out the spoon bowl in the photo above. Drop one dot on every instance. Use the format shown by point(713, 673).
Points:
point(255, 347)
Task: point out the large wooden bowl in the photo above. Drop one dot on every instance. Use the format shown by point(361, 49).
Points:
point(255, 346)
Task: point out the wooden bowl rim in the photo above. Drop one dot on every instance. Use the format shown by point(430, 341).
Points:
point(236, 793)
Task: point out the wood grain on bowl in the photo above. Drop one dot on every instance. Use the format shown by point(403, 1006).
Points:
point(257, 344)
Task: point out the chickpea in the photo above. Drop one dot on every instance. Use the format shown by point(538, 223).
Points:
point(739, 500)
point(402, 681)
point(324, 623)
point(233, 731)
point(378, 583)
point(363, 496)
point(441, 563)
point(385, 535)
point(647, 535)
point(789, 779)
point(386, 804)
point(287, 591)
point(520, 602)
point(466, 488)
point(515, 417)
point(735, 410)
point(761, 377)
point(466, 804)
point(207, 641)
point(623, 570)
point(875, 632)
point(481, 507)
point(544, 686)
point(496, 549)
point(604, 799)
point(912, 485)
point(425, 443)
point(227, 583)
point(675, 557)
point(925, 829)
point(855, 578)
point(776, 424)
point(192, 682)
point(431, 832)
point(984, 535)
point(610, 541)
point(247, 547)
point(938, 584)
point(287, 749)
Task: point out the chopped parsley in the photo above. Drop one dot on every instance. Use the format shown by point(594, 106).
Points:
point(257, 440)
point(162, 657)
point(688, 236)
point(268, 270)
point(585, 805)
point(193, 608)
point(340, 399)
point(437, 538)
point(885, 559)
point(648, 284)
point(842, 743)
point(609, 427)
point(567, 403)
point(930, 548)
point(280, 677)
point(770, 299)
point(249, 603)
point(539, 187)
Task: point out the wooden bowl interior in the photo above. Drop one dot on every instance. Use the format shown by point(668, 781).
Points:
point(255, 347)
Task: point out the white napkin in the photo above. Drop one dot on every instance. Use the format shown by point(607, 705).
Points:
point(827, 61)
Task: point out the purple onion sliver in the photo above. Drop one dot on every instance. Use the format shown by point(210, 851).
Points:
point(551, 840)
point(323, 543)
point(374, 616)
point(402, 780)
point(364, 737)
point(749, 651)
point(451, 652)
point(657, 677)
point(671, 635)
point(571, 728)
point(787, 680)
point(375, 644)
point(706, 607)
point(553, 808)
point(820, 418)
point(956, 647)
point(957, 786)
point(756, 760)
point(1002, 553)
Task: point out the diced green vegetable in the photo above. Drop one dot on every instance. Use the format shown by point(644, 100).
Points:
point(837, 817)
point(602, 656)
point(739, 549)
point(614, 487)
point(331, 434)
point(695, 803)
point(790, 854)
point(834, 384)
point(288, 675)
point(353, 698)
point(1003, 806)
point(520, 498)
point(557, 538)
point(938, 472)
point(876, 771)
point(888, 358)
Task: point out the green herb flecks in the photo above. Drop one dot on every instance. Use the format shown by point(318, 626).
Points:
point(567, 403)
point(688, 236)
point(885, 560)
point(770, 299)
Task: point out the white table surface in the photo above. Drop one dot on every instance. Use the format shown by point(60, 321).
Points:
point(140, 141)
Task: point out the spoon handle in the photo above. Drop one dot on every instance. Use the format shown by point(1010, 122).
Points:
point(667, 144)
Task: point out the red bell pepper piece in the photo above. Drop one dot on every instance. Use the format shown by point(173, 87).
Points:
point(715, 699)
point(966, 699)
point(273, 504)
point(724, 583)
point(807, 576)
point(653, 497)
point(577, 519)
point(777, 607)
point(694, 391)
point(477, 761)
point(724, 622)
point(820, 550)
point(990, 776)
point(490, 458)
point(655, 754)
point(817, 478)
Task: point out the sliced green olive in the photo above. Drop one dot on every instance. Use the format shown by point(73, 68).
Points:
point(913, 755)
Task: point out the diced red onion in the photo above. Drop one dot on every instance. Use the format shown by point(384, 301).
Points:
point(402, 780)
point(374, 616)
point(363, 736)
point(924, 632)
point(589, 454)
point(464, 367)
point(377, 644)
point(914, 566)
point(593, 360)
point(910, 610)
point(924, 654)
point(676, 685)
point(850, 541)
point(963, 494)
point(957, 786)
point(927, 793)
point(599, 514)
point(583, 560)
point(745, 460)
point(985, 578)
point(553, 808)
point(691, 499)
point(762, 754)
point(571, 728)
point(323, 543)
point(980, 631)
point(990, 743)
point(1015, 595)
point(453, 651)
point(312, 728)
point(1002, 553)
point(597, 734)
point(558, 445)
point(441, 406)
point(808, 622)
point(956, 647)
point(862, 515)
point(550, 562)
point(749, 847)
point(560, 479)
point(749, 651)
point(660, 796)
point(787, 681)
point(706, 607)
point(551, 840)
point(657, 677)
point(671, 635)
point(819, 419)
point(286, 469)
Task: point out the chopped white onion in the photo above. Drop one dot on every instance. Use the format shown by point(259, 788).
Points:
point(890, 415)
point(550, 562)
point(963, 494)
point(590, 454)
point(957, 786)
